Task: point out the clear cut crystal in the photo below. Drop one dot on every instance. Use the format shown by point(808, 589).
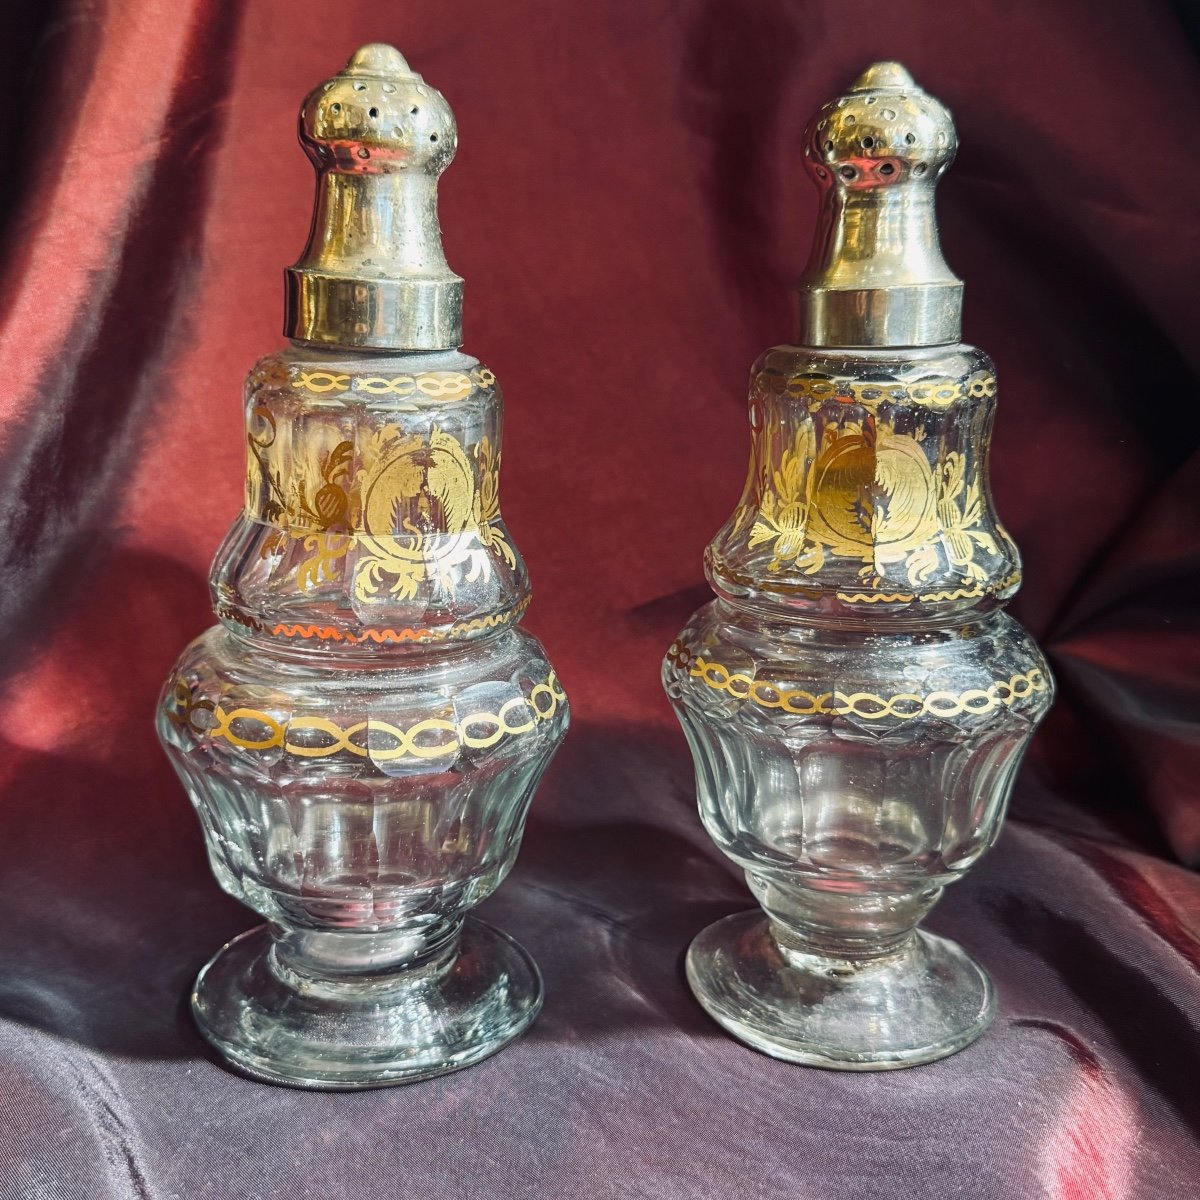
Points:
point(855, 699)
point(857, 703)
point(362, 733)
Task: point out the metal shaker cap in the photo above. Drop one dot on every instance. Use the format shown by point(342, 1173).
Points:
point(876, 276)
point(374, 274)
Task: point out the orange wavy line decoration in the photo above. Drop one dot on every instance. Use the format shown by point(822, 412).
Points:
point(330, 633)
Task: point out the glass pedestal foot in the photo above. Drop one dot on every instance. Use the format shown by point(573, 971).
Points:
point(921, 1003)
point(372, 1031)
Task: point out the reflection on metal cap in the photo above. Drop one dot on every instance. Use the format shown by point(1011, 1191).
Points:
point(373, 274)
point(876, 276)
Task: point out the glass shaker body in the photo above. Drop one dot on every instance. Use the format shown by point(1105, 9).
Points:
point(363, 732)
point(857, 703)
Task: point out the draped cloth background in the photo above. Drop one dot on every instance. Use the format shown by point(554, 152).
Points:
point(629, 210)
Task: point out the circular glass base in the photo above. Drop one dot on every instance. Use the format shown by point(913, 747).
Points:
point(920, 1004)
point(361, 1032)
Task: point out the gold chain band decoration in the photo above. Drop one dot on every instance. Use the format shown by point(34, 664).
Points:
point(865, 705)
point(380, 637)
point(930, 393)
point(435, 737)
point(435, 385)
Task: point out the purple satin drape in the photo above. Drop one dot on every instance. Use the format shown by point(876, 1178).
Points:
point(629, 209)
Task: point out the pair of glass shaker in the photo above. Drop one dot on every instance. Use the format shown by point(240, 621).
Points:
point(362, 733)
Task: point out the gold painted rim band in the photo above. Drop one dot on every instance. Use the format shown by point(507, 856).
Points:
point(425, 739)
point(435, 385)
point(865, 705)
point(934, 393)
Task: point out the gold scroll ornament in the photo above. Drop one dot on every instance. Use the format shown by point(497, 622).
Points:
point(871, 494)
point(417, 507)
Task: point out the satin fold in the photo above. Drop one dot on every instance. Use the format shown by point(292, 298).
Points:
point(628, 208)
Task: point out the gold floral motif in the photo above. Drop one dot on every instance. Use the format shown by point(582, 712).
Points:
point(331, 510)
point(418, 508)
point(783, 507)
point(264, 491)
point(868, 493)
point(327, 556)
point(434, 737)
point(421, 513)
point(486, 505)
point(865, 705)
point(960, 512)
point(329, 507)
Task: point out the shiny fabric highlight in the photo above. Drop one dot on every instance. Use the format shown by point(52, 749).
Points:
point(628, 210)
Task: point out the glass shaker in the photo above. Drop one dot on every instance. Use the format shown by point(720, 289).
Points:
point(856, 699)
point(362, 733)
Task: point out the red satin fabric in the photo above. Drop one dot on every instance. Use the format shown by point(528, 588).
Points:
point(629, 210)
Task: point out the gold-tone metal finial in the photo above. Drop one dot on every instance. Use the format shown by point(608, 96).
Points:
point(373, 274)
point(876, 276)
